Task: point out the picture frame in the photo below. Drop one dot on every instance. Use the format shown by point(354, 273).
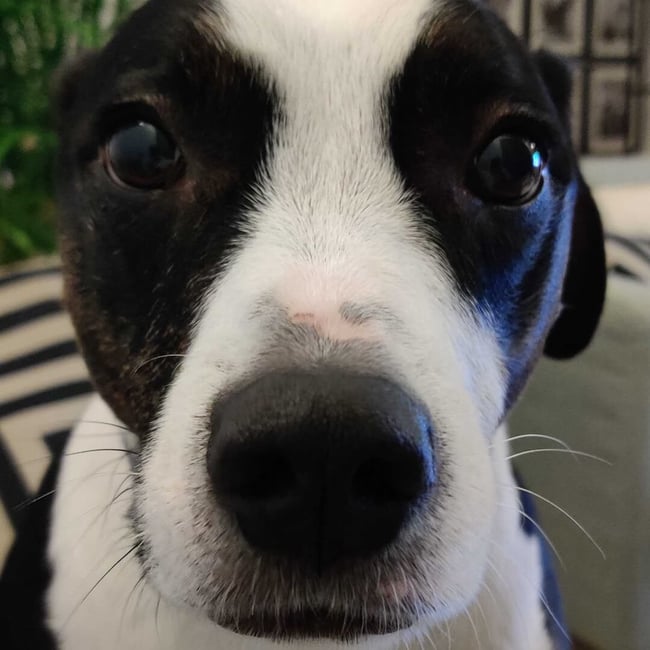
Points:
point(603, 42)
point(635, 131)
point(558, 25)
point(610, 119)
point(614, 28)
point(576, 115)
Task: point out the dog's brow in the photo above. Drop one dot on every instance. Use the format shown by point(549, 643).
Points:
point(501, 109)
point(139, 82)
point(358, 314)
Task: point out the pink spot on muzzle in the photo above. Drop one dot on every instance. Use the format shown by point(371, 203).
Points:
point(332, 325)
point(315, 300)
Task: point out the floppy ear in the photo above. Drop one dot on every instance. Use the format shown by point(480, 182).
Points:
point(583, 294)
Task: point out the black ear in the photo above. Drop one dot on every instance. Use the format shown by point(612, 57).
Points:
point(65, 83)
point(583, 294)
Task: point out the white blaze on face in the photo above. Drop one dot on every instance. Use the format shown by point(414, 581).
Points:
point(332, 224)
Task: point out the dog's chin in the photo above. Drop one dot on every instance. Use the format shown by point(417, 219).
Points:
point(301, 625)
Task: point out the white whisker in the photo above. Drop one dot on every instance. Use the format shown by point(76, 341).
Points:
point(576, 454)
point(157, 358)
point(547, 607)
point(471, 622)
point(539, 529)
point(568, 516)
point(113, 566)
point(540, 437)
point(505, 585)
point(543, 601)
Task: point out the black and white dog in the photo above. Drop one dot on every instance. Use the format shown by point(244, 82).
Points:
point(312, 250)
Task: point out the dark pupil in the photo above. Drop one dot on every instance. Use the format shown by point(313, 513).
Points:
point(510, 168)
point(142, 155)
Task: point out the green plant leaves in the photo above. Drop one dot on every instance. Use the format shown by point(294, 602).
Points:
point(35, 36)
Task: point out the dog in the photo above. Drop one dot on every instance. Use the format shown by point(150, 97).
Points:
point(312, 251)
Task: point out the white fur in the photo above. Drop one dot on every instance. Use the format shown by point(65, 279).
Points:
point(88, 537)
point(332, 224)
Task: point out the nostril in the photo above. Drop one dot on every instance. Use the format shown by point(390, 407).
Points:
point(256, 475)
point(380, 481)
point(320, 467)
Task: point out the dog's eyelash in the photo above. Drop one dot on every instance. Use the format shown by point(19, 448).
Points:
point(526, 123)
point(118, 115)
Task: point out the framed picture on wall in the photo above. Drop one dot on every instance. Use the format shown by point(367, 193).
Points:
point(634, 134)
point(558, 25)
point(512, 12)
point(614, 27)
point(610, 119)
point(577, 97)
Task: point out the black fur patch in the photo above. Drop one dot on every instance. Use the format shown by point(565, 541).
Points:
point(137, 263)
point(465, 83)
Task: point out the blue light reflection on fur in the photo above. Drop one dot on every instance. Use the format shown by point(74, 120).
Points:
point(427, 443)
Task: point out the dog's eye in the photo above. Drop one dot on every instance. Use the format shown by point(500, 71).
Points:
point(509, 170)
point(140, 155)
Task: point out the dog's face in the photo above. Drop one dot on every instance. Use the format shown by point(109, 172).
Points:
point(312, 250)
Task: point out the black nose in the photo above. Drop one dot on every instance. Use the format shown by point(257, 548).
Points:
point(321, 467)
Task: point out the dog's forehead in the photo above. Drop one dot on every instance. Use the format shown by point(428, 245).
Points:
point(283, 37)
point(382, 31)
point(340, 14)
point(281, 41)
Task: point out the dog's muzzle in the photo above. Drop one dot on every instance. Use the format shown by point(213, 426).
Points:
point(321, 467)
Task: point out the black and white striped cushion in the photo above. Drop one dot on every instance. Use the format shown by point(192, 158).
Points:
point(629, 257)
point(44, 387)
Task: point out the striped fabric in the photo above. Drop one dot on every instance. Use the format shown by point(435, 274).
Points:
point(44, 384)
point(629, 256)
point(43, 387)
